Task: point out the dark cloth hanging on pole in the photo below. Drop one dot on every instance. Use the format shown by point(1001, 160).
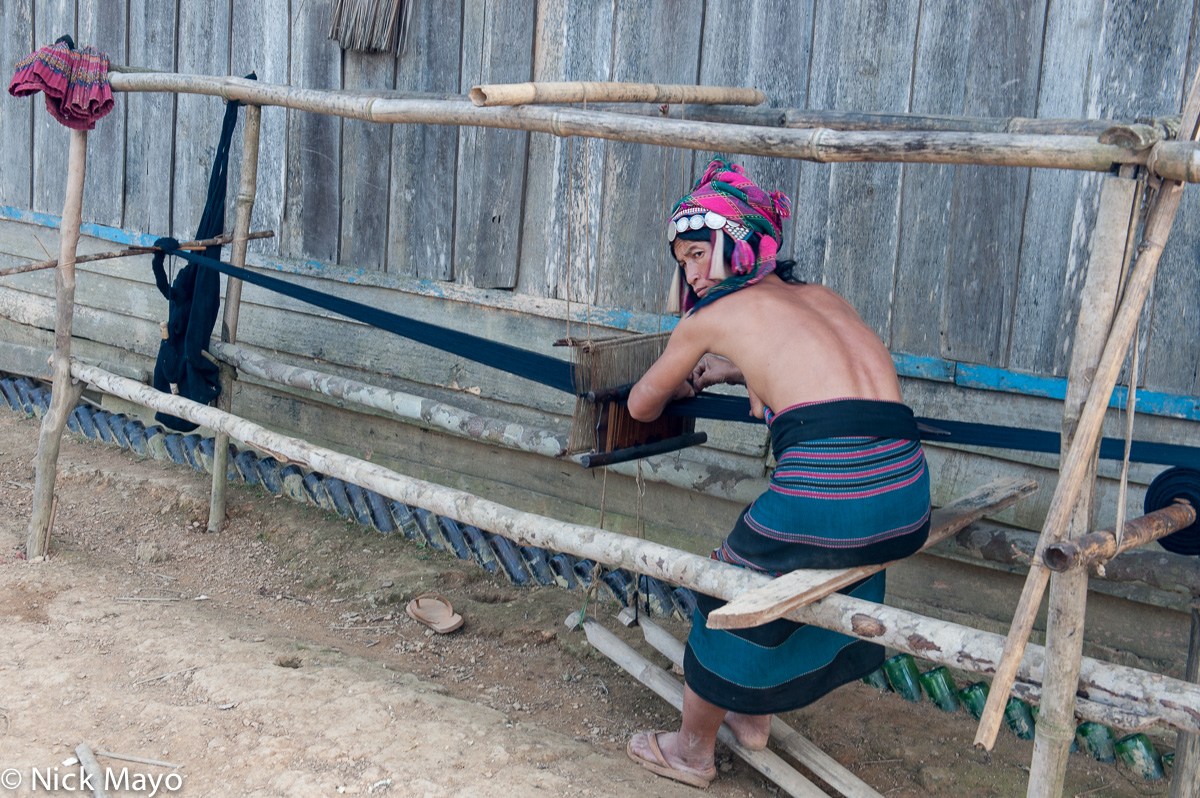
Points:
point(194, 298)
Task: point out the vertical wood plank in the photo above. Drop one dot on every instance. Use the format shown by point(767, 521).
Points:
point(1061, 212)
point(311, 223)
point(742, 47)
point(652, 42)
point(565, 177)
point(810, 206)
point(1002, 81)
point(939, 83)
point(104, 27)
point(150, 126)
point(203, 50)
point(52, 19)
point(1155, 84)
point(497, 48)
point(366, 166)
point(260, 45)
point(16, 113)
point(421, 216)
point(864, 199)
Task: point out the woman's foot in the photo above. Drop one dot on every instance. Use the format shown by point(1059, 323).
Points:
point(659, 753)
point(752, 731)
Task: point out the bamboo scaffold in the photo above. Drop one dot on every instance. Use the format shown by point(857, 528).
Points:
point(1174, 160)
point(1116, 695)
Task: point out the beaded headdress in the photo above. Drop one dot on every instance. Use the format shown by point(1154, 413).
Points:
point(726, 201)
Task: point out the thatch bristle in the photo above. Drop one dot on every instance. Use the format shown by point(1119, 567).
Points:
point(371, 26)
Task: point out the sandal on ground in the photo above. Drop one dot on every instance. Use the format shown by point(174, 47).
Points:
point(659, 765)
point(435, 612)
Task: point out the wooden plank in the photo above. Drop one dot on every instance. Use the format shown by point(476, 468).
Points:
point(939, 78)
point(105, 28)
point(823, 766)
point(497, 48)
point(1170, 351)
point(765, 762)
point(261, 31)
point(785, 593)
point(864, 199)
point(565, 176)
point(52, 19)
point(422, 187)
point(150, 124)
point(366, 166)
point(203, 49)
point(1061, 212)
point(312, 205)
point(16, 113)
point(768, 29)
point(1002, 80)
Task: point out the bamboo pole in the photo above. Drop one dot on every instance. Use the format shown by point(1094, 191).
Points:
point(1175, 703)
point(1068, 591)
point(64, 394)
point(1100, 547)
point(1185, 780)
point(1075, 465)
point(765, 762)
point(1163, 127)
point(594, 91)
point(233, 300)
point(403, 405)
point(1174, 160)
point(124, 253)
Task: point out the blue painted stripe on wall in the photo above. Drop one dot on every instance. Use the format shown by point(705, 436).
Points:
point(966, 375)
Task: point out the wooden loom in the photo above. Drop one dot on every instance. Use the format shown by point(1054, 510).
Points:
point(605, 371)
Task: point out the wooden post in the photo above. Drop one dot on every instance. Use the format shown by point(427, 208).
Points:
point(1068, 589)
point(63, 394)
point(1074, 467)
point(1185, 780)
point(233, 301)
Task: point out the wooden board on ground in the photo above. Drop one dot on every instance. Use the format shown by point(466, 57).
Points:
point(795, 589)
point(767, 763)
point(823, 766)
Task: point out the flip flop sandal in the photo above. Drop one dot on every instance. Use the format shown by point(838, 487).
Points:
point(435, 612)
point(660, 767)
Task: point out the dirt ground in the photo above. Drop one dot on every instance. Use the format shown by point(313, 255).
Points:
point(275, 659)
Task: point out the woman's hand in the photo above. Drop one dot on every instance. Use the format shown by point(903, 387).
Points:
point(714, 370)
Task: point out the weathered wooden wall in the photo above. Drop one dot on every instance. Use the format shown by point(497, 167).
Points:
point(969, 264)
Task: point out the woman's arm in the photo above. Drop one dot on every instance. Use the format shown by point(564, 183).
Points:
point(715, 370)
point(667, 379)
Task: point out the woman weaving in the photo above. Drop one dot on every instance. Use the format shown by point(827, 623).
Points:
point(850, 486)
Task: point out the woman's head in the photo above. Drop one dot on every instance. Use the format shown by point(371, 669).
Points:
point(741, 225)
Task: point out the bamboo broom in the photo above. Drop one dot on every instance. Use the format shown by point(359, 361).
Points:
point(370, 26)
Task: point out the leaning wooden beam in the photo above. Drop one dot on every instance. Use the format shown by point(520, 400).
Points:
point(823, 766)
point(233, 301)
point(1177, 703)
point(404, 405)
point(1075, 466)
point(765, 762)
point(1100, 547)
point(63, 393)
point(1174, 160)
point(783, 594)
point(124, 253)
point(592, 91)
